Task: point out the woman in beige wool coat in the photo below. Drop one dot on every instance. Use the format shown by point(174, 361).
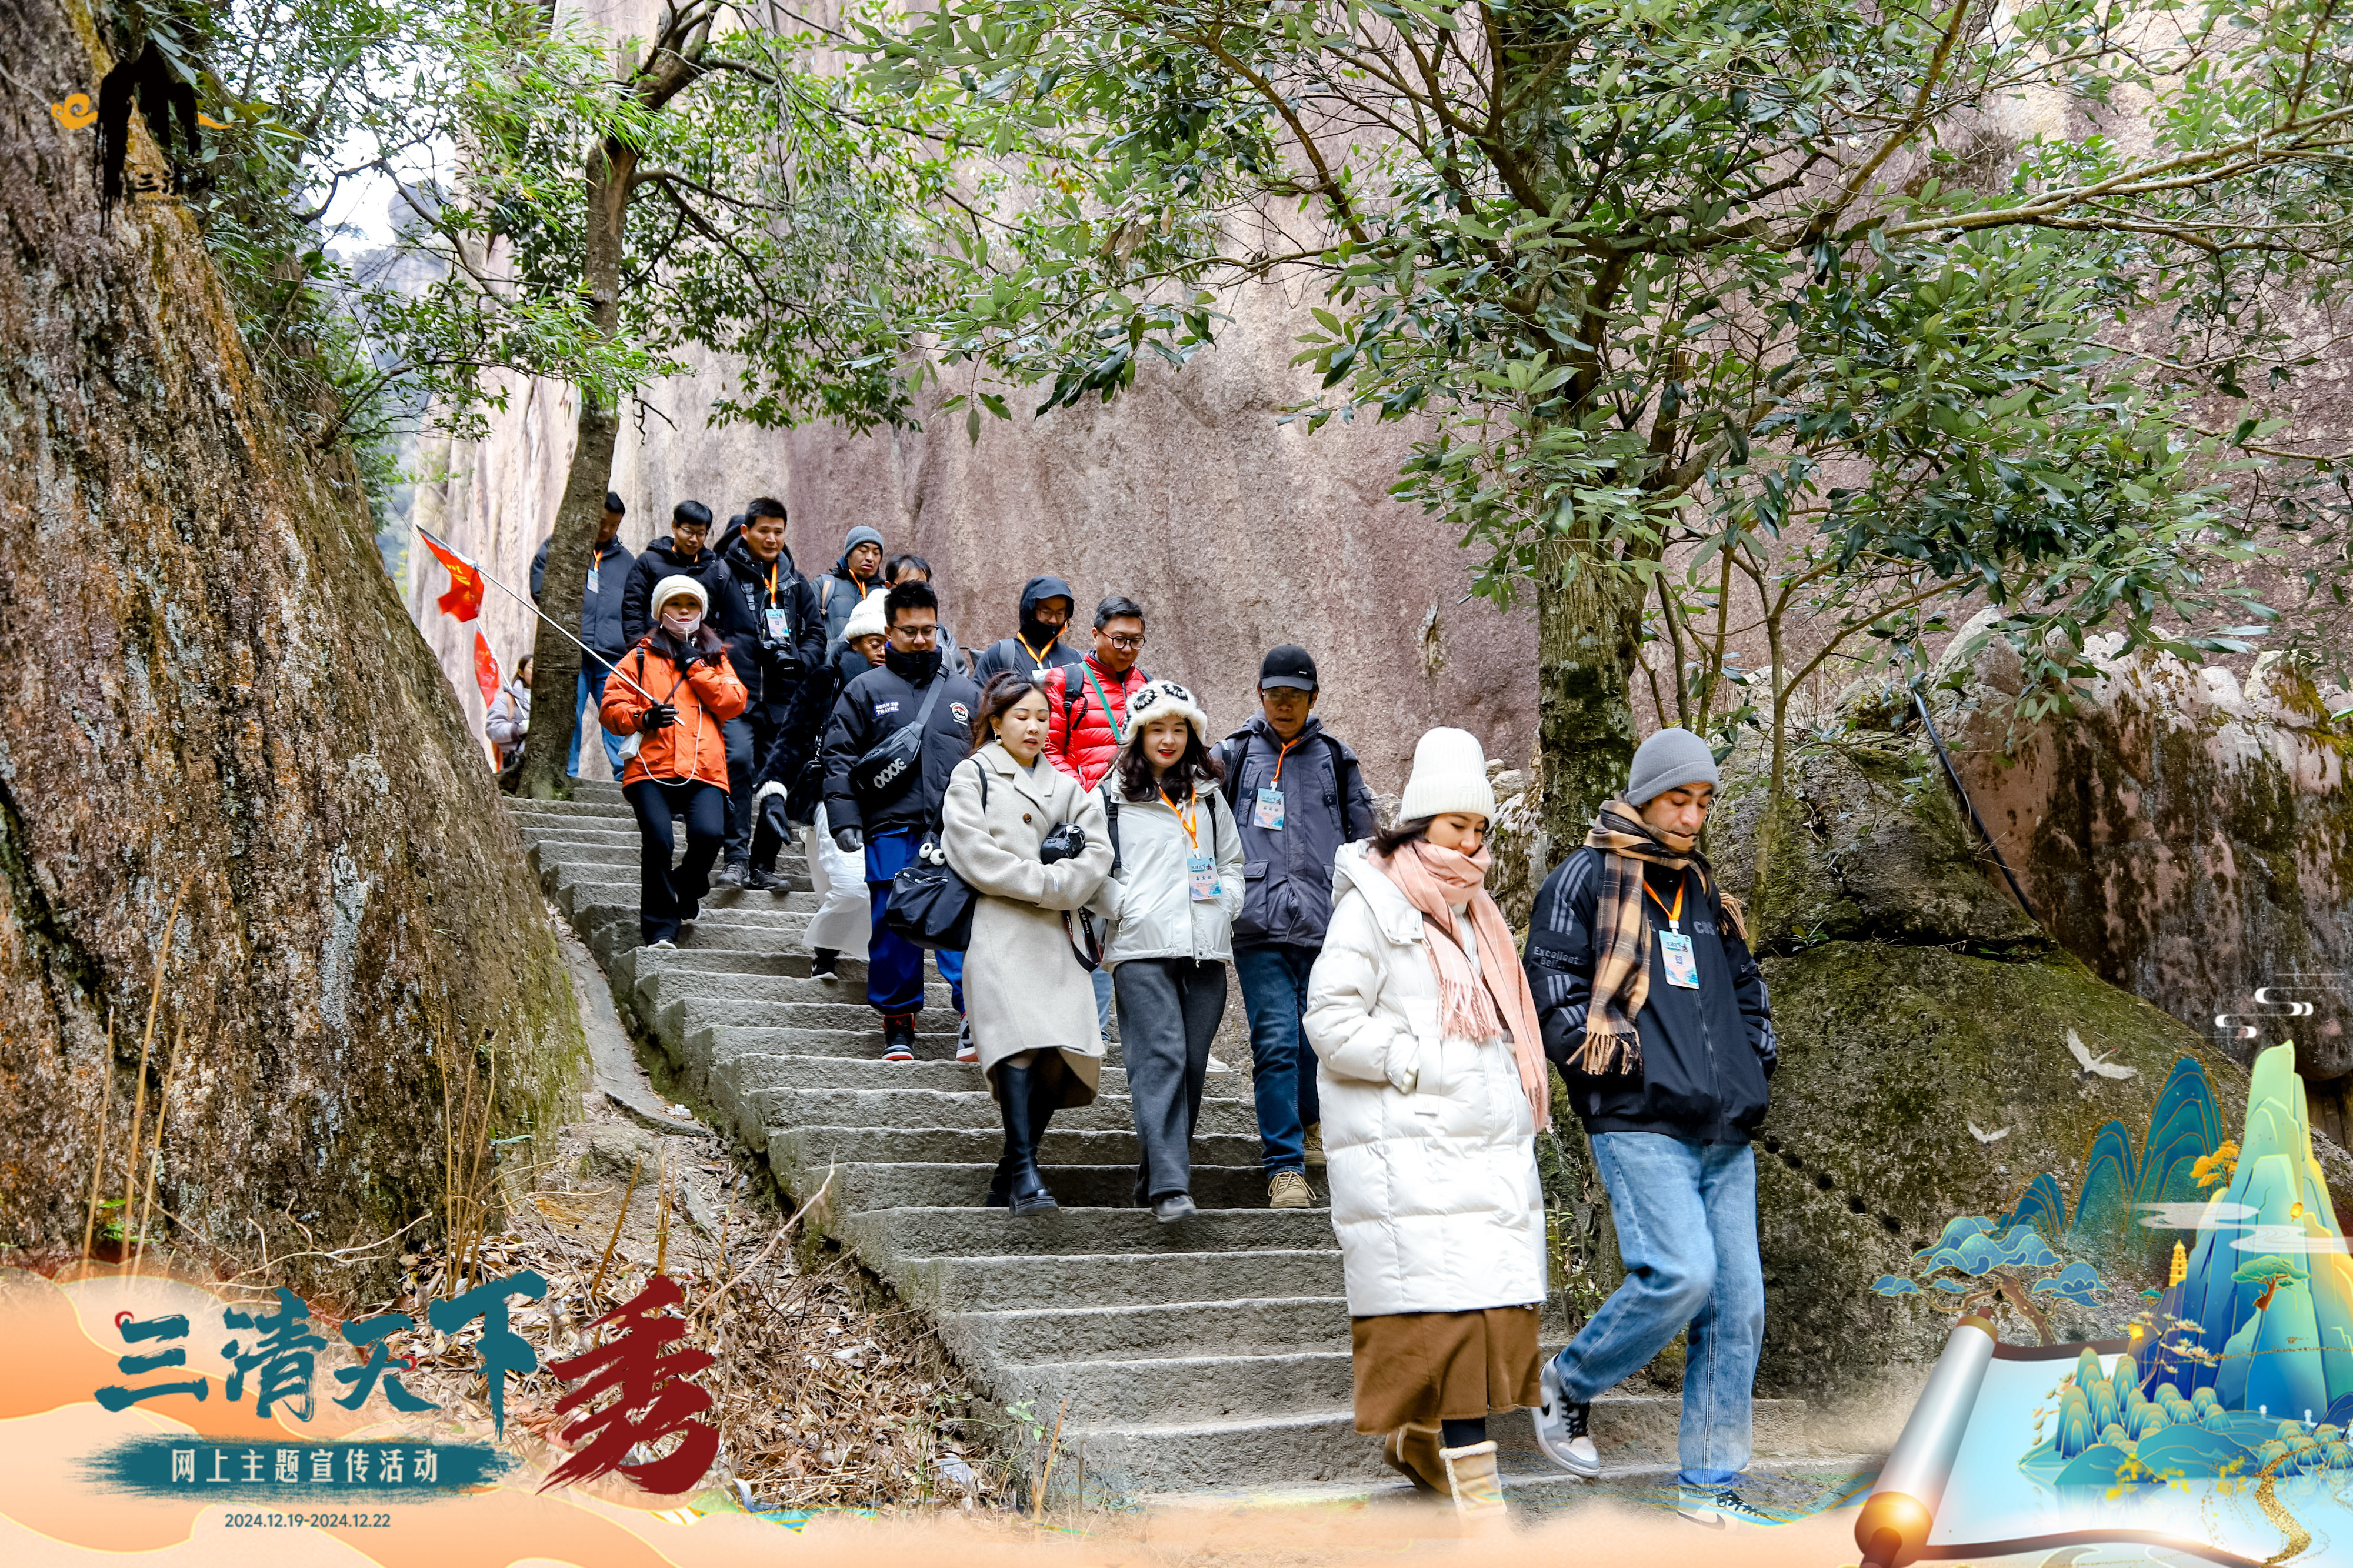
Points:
point(1030, 1001)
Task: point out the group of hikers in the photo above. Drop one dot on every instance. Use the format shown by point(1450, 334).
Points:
point(1119, 858)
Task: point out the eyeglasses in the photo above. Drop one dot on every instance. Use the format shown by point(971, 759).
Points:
point(916, 633)
point(1127, 644)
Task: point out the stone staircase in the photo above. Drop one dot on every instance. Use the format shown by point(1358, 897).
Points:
point(1202, 1356)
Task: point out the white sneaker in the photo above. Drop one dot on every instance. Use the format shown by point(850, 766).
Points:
point(1217, 1066)
point(1720, 1506)
point(1560, 1425)
point(665, 945)
point(966, 1052)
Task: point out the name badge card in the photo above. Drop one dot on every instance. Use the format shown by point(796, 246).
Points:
point(1268, 811)
point(780, 626)
point(1201, 872)
point(1682, 967)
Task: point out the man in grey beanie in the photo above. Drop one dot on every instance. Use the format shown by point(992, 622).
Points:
point(858, 574)
point(1653, 1008)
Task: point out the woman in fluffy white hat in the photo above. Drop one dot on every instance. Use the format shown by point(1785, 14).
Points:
point(1171, 901)
point(1434, 1085)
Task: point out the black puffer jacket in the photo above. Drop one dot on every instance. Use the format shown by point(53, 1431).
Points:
point(1706, 1053)
point(657, 560)
point(869, 709)
point(741, 594)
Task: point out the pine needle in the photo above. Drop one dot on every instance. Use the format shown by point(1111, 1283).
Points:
point(606, 1261)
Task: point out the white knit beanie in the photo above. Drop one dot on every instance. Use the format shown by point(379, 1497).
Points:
point(865, 620)
point(1450, 775)
point(676, 583)
point(1156, 698)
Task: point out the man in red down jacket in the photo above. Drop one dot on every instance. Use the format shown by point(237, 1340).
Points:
point(1087, 702)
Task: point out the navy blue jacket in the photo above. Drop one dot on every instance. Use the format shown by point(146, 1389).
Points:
point(601, 626)
point(1326, 803)
point(1706, 1053)
point(869, 708)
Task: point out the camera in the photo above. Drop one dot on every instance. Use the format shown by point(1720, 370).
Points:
point(1067, 840)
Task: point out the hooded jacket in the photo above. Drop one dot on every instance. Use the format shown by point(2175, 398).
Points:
point(601, 625)
point(1706, 1053)
point(869, 708)
point(655, 562)
point(743, 588)
point(1080, 737)
point(509, 721)
point(692, 750)
point(1008, 654)
point(1430, 1139)
point(1326, 803)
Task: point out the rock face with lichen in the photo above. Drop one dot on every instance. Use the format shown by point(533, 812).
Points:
point(216, 692)
point(2188, 834)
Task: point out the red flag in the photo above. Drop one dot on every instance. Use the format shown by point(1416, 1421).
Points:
point(486, 669)
point(464, 598)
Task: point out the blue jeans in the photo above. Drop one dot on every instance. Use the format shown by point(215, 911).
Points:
point(588, 691)
point(894, 966)
point(1103, 1000)
point(1283, 1066)
point(1686, 1219)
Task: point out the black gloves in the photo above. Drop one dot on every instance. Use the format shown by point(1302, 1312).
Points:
point(848, 841)
point(661, 716)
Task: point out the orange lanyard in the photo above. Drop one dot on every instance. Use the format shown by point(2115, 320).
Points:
point(1185, 816)
point(1034, 657)
point(1280, 755)
point(772, 584)
point(1675, 915)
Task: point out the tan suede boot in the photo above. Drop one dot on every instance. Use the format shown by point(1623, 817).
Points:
point(1475, 1485)
point(1412, 1452)
point(1313, 1138)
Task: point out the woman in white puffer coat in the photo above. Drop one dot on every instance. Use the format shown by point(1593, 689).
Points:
point(1434, 1085)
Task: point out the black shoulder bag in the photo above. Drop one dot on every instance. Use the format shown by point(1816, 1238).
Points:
point(883, 774)
point(931, 906)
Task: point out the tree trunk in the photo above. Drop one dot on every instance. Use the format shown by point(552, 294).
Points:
point(220, 691)
point(1589, 623)
point(555, 659)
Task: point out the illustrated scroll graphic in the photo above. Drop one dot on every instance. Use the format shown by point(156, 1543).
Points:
point(2216, 1431)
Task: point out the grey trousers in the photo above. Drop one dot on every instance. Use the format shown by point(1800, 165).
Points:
point(1168, 1012)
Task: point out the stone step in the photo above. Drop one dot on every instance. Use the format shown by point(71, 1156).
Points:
point(1181, 1389)
point(868, 1187)
point(608, 857)
point(993, 1233)
point(731, 974)
point(571, 879)
point(563, 834)
point(916, 1108)
point(757, 1068)
point(1128, 1282)
point(817, 1148)
point(859, 1037)
point(1267, 1326)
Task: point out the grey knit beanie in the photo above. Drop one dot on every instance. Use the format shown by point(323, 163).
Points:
point(1667, 759)
point(860, 535)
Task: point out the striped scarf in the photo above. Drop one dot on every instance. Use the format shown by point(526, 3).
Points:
point(1621, 934)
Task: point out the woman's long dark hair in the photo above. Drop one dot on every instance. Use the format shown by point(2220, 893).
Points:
point(1003, 689)
point(1390, 840)
point(1195, 768)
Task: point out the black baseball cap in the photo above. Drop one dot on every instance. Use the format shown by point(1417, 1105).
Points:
point(1287, 666)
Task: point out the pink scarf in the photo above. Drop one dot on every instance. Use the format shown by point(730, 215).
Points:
point(1432, 880)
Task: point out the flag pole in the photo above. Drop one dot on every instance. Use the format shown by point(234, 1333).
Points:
point(611, 667)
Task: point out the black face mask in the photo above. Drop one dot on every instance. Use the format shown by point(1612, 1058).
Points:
point(915, 665)
point(1038, 634)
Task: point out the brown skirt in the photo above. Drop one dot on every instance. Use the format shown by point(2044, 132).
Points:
point(1426, 1367)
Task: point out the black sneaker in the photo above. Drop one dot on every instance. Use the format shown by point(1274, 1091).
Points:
point(821, 964)
point(899, 1037)
point(758, 879)
point(734, 874)
point(1720, 1506)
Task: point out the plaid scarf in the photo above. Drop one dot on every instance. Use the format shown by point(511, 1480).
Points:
point(1622, 935)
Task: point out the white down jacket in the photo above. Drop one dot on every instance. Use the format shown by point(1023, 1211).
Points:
point(1430, 1139)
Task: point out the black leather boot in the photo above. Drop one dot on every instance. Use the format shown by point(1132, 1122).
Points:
point(1016, 1100)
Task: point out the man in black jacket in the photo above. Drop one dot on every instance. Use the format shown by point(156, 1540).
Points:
point(600, 625)
point(1038, 647)
point(1653, 1009)
point(763, 609)
point(681, 553)
point(1297, 796)
point(888, 823)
